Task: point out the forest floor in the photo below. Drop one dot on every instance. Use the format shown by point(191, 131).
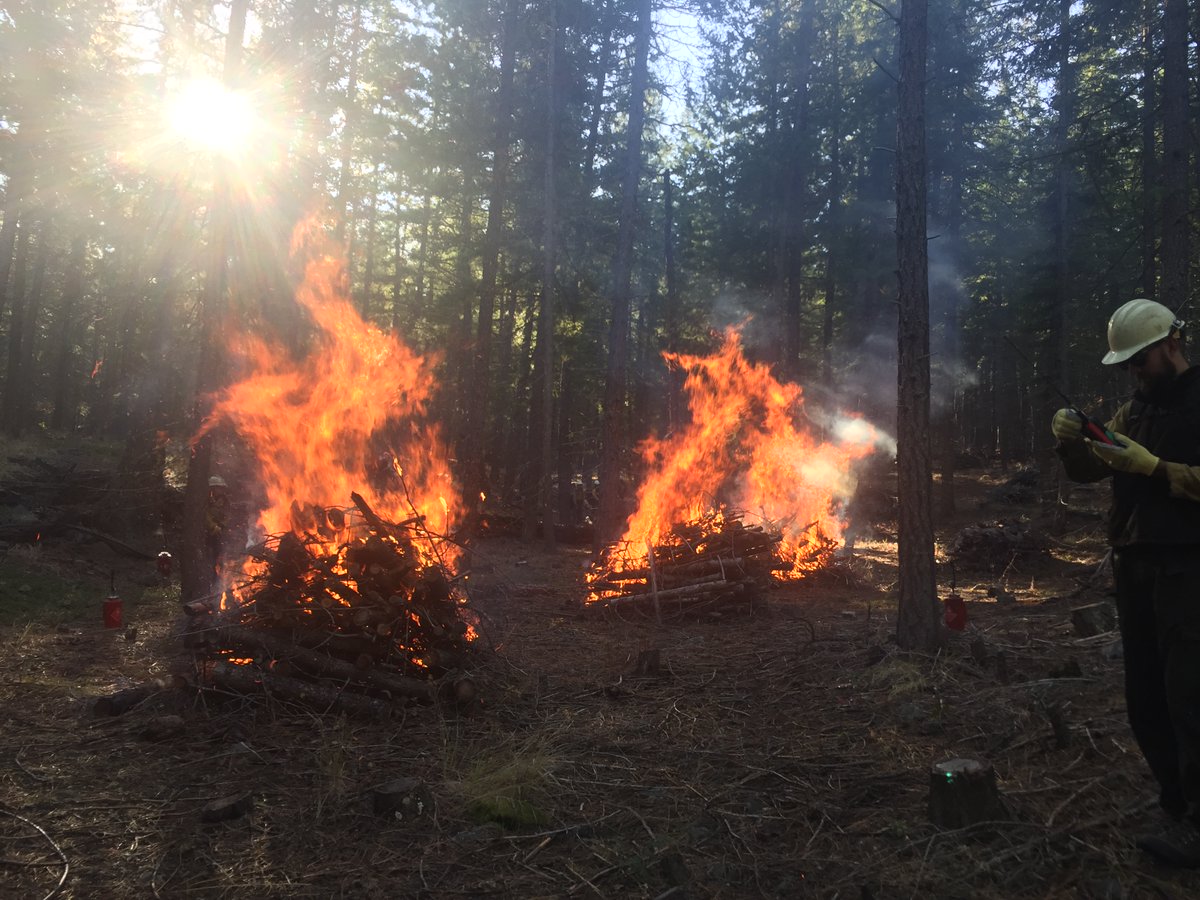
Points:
point(783, 752)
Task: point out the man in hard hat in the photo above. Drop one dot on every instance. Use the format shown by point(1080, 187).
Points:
point(216, 520)
point(1154, 529)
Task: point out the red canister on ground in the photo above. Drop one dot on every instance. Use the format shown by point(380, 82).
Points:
point(112, 611)
point(956, 613)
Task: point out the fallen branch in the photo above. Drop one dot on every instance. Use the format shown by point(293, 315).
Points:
point(122, 701)
point(57, 849)
point(679, 596)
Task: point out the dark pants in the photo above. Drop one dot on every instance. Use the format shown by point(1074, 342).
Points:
point(1158, 600)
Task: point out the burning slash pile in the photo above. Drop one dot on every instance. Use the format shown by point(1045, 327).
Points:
point(343, 607)
point(344, 596)
point(713, 559)
point(749, 445)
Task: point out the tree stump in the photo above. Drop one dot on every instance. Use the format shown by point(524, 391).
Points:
point(402, 797)
point(963, 792)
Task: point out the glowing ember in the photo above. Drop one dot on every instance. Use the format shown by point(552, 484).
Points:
point(748, 446)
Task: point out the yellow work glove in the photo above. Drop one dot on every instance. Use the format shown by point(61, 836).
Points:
point(1133, 457)
point(1066, 425)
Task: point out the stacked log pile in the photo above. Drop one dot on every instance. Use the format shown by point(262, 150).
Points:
point(345, 611)
point(716, 559)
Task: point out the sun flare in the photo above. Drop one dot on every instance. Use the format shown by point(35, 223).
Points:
point(206, 114)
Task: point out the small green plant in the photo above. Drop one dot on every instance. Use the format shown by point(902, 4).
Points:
point(509, 784)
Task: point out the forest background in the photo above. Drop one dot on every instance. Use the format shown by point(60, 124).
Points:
point(532, 193)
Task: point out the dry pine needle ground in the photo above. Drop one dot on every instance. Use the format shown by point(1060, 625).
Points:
point(779, 752)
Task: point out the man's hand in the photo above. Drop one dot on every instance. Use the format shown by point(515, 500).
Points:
point(1133, 457)
point(1066, 425)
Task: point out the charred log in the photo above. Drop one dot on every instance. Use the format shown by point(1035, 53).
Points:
point(252, 681)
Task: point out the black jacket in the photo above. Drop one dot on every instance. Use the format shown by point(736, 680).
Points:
point(1144, 510)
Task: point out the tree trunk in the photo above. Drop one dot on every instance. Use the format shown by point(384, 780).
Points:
point(834, 237)
point(497, 453)
point(24, 308)
point(613, 428)
point(796, 190)
point(565, 460)
point(603, 59)
point(366, 302)
point(20, 174)
point(62, 416)
point(549, 265)
point(917, 620)
point(1176, 223)
point(197, 578)
point(1054, 360)
point(531, 476)
point(477, 431)
point(417, 307)
point(461, 333)
point(671, 311)
point(345, 200)
point(1149, 156)
point(517, 446)
point(947, 430)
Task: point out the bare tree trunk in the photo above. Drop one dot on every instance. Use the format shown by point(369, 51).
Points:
point(24, 307)
point(498, 450)
point(1054, 359)
point(917, 626)
point(596, 111)
point(834, 226)
point(1149, 160)
point(947, 430)
point(197, 578)
point(368, 283)
point(62, 415)
point(549, 266)
point(477, 431)
point(518, 443)
point(418, 299)
point(20, 177)
point(345, 199)
point(796, 191)
point(461, 332)
point(671, 313)
point(564, 458)
point(614, 424)
point(1176, 223)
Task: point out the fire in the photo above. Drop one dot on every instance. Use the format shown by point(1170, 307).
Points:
point(748, 446)
point(350, 416)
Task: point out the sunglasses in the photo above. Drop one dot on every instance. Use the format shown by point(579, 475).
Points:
point(1140, 358)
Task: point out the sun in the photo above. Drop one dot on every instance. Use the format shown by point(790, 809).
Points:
point(206, 114)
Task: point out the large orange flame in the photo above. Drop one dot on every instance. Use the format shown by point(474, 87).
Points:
point(748, 446)
point(350, 416)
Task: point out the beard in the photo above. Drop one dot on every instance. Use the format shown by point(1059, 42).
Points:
point(1156, 388)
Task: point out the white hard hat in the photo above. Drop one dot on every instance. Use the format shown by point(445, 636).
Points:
point(217, 481)
point(1135, 326)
